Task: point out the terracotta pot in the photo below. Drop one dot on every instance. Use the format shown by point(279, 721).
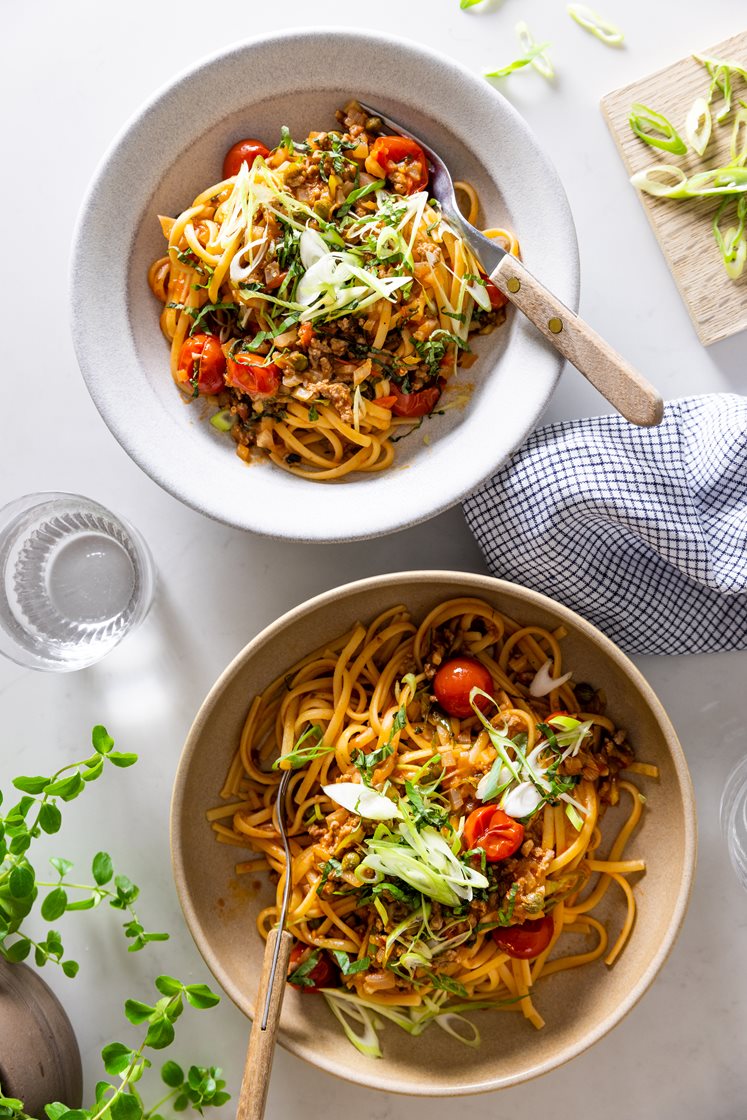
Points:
point(39, 1056)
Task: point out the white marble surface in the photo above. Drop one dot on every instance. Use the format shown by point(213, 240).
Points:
point(71, 75)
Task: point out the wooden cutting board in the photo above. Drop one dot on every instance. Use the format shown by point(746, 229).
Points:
point(716, 304)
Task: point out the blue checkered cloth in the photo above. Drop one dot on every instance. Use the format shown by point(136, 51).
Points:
point(643, 531)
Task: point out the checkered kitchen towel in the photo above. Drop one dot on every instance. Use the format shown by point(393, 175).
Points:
point(643, 531)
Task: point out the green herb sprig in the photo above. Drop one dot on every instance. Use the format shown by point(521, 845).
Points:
point(38, 812)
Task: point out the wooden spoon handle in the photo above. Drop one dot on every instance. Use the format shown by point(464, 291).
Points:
point(623, 386)
point(261, 1049)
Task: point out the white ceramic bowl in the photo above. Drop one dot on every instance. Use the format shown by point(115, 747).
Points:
point(174, 148)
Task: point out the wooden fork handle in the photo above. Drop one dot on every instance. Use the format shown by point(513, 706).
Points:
point(261, 1049)
point(625, 389)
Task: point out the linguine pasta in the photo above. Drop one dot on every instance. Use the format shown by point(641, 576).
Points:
point(439, 861)
point(318, 300)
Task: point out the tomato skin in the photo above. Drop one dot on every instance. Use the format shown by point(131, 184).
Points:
point(494, 831)
point(245, 374)
point(322, 974)
point(202, 355)
point(455, 680)
point(497, 298)
point(399, 153)
point(243, 151)
point(525, 941)
point(412, 405)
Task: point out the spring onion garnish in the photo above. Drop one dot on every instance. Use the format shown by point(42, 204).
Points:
point(223, 421)
point(720, 71)
point(655, 129)
point(424, 860)
point(596, 25)
point(525, 60)
point(463, 4)
point(540, 61)
point(738, 143)
point(305, 751)
point(732, 243)
point(544, 683)
point(698, 125)
point(362, 800)
point(663, 180)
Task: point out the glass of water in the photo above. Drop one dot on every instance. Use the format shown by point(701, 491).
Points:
point(74, 579)
point(733, 813)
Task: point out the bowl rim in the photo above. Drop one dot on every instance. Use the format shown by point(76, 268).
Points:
point(258, 516)
point(473, 582)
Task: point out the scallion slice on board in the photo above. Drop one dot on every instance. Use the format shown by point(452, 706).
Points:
point(596, 25)
point(732, 243)
point(654, 129)
point(698, 125)
point(663, 180)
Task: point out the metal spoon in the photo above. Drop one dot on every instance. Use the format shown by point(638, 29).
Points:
point(630, 393)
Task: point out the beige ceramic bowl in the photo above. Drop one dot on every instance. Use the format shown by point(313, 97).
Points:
point(580, 1005)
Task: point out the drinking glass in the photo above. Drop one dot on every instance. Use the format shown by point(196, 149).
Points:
point(734, 819)
point(74, 579)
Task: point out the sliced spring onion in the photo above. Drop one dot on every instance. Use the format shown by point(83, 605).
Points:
point(544, 683)
point(663, 180)
point(574, 818)
point(449, 1021)
point(521, 800)
point(596, 25)
point(463, 4)
point(721, 70)
point(362, 800)
point(655, 129)
point(519, 63)
point(732, 243)
point(223, 421)
point(350, 1016)
point(540, 61)
point(698, 125)
point(738, 144)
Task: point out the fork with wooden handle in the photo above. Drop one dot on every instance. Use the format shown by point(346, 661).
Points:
point(630, 393)
point(261, 1049)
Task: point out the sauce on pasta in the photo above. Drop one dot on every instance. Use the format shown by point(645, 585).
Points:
point(439, 860)
point(317, 300)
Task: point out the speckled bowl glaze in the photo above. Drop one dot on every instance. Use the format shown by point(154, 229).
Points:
point(579, 1005)
point(174, 148)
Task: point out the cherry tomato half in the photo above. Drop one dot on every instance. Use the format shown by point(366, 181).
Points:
point(322, 974)
point(202, 356)
point(455, 680)
point(256, 380)
point(416, 404)
point(497, 298)
point(403, 161)
point(525, 941)
point(494, 831)
point(245, 151)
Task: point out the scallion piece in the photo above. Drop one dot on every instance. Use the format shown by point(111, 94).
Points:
point(223, 420)
point(732, 243)
point(464, 4)
point(540, 61)
point(655, 129)
point(596, 25)
point(698, 125)
point(738, 145)
point(519, 63)
point(666, 181)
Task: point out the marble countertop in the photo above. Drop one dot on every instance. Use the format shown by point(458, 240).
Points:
point(72, 74)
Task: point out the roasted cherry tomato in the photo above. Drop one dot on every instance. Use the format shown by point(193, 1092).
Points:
point(321, 975)
point(455, 680)
point(246, 374)
point(412, 405)
point(525, 941)
point(497, 298)
point(202, 364)
point(494, 831)
point(245, 151)
point(403, 161)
